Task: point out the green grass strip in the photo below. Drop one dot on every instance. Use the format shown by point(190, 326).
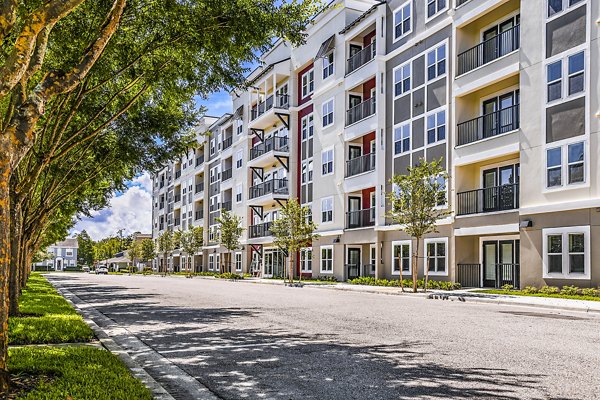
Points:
point(520, 293)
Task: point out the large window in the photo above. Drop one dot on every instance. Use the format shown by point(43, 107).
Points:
point(401, 257)
point(436, 62)
point(566, 252)
point(328, 65)
point(308, 83)
point(402, 20)
point(565, 165)
point(239, 159)
point(437, 259)
point(436, 127)
point(558, 6)
point(327, 209)
point(435, 6)
point(327, 162)
point(306, 260)
point(402, 139)
point(326, 259)
point(307, 126)
point(327, 109)
point(402, 79)
point(573, 68)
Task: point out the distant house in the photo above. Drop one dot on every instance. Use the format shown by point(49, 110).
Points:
point(64, 254)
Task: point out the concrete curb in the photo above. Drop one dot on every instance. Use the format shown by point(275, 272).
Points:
point(158, 392)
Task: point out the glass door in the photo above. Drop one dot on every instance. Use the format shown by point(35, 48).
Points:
point(506, 120)
point(353, 263)
point(489, 109)
point(507, 189)
point(490, 259)
point(354, 204)
point(268, 271)
point(490, 190)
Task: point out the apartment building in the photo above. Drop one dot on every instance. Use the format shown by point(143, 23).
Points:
point(380, 85)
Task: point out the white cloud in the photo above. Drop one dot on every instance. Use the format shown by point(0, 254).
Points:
point(130, 211)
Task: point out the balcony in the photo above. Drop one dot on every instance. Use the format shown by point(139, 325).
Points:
point(177, 174)
point(199, 187)
point(360, 218)
point(260, 230)
point(177, 221)
point(360, 58)
point(488, 125)
point(359, 165)
point(226, 205)
point(361, 111)
point(199, 215)
point(214, 207)
point(162, 184)
point(273, 143)
point(489, 50)
point(177, 198)
point(277, 101)
point(227, 143)
point(273, 186)
point(199, 161)
point(492, 199)
point(226, 174)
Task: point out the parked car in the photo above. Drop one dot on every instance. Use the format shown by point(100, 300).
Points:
point(102, 270)
point(85, 268)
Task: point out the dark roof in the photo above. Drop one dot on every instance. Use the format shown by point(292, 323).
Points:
point(265, 70)
point(361, 17)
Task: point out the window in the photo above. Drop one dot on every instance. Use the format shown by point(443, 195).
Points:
point(436, 62)
point(327, 209)
point(574, 168)
point(307, 126)
point(211, 262)
point(327, 109)
point(308, 83)
point(238, 261)
point(240, 128)
point(557, 6)
point(437, 260)
point(566, 252)
point(327, 162)
point(238, 193)
point(436, 127)
point(401, 257)
point(402, 79)
point(326, 258)
point(573, 67)
point(239, 159)
point(307, 171)
point(306, 260)
point(69, 252)
point(442, 184)
point(402, 139)
point(434, 7)
point(328, 65)
point(402, 24)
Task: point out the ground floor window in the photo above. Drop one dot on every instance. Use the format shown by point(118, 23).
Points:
point(326, 258)
point(566, 252)
point(436, 253)
point(306, 260)
point(211, 262)
point(401, 256)
point(238, 261)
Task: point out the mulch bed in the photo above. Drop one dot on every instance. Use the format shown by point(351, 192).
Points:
point(21, 384)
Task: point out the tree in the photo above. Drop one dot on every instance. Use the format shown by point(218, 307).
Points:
point(417, 200)
point(85, 251)
point(230, 227)
point(293, 230)
point(147, 250)
point(134, 253)
point(165, 246)
point(192, 242)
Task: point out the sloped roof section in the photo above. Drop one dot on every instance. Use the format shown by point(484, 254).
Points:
point(361, 17)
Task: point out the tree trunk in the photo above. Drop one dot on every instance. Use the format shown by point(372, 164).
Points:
point(401, 276)
point(415, 272)
point(5, 170)
point(426, 268)
point(291, 276)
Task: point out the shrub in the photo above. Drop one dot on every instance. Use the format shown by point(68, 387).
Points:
point(229, 275)
point(590, 292)
point(507, 287)
point(530, 290)
point(549, 290)
point(207, 273)
point(570, 290)
point(370, 281)
point(326, 278)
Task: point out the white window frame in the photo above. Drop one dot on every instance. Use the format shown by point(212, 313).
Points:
point(404, 73)
point(305, 260)
point(436, 241)
point(437, 10)
point(436, 63)
point(321, 259)
point(308, 83)
point(563, 145)
point(326, 112)
point(239, 193)
point(327, 161)
point(211, 262)
point(239, 159)
point(400, 128)
point(402, 243)
point(328, 66)
point(437, 125)
point(324, 202)
point(400, 10)
point(238, 261)
point(565, 8)
point(563, 58)
point(564, 232)
point(307, 126)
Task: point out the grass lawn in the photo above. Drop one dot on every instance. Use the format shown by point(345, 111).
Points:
point(520, 293)
point(80, 373)
point(47, 317)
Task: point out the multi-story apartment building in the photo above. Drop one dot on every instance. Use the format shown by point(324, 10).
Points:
point(380, 85)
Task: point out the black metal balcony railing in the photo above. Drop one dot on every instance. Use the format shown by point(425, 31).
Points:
point(492, 199)
point(469, 275)
point(273, 143)
point(226, 174)
point(489, 50)
point(177, 198)
point(227, 143)
point(508, 274)
point(226, 205)
point(199, 160)
point(200, 187)
point(360, 218)
point(260, 230)
point(177, 174)
point(279, 101)
point(361, 58)
point(360, 164)
point(489, 125)
point(275, 186)
point(199, 214)
point(214, 207)
point(360, 111)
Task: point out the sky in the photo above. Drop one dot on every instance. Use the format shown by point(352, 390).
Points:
point(131, 210)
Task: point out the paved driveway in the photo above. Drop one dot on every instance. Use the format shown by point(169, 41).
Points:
point(246, 340)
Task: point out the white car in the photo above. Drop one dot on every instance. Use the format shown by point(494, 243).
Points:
point(85, 269)
point(102, 270)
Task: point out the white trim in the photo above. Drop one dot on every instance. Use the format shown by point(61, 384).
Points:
point(564, 232)
point(426, 265)
point(437, 12)
point(321, 248)
point(410, 255)
point(239, 253)
point(330, 233)
point(323, 104)
point(486, 230)
point(332, 210)
point(562, 206)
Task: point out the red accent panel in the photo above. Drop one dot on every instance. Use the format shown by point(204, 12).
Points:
point(367, 142)
point(301, 114)
point(255, 140)
point(366, 197)
point(300, 73)
point(368, 37)
point(367, 86)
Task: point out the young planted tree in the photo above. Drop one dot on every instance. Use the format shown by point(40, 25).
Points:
point(230, 233)
point(135, 253)
point(191, 242)
point(165, 246)
point(147, 250)
point(417, 201)
point(293, 230)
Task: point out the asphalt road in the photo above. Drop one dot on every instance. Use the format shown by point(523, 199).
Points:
point(257, 341)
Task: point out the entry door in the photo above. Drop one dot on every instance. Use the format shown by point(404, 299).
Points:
point(490, 259)
point(490, 191)
point(269, 263)
point(354, 49)
point(507, 175)
point(354, 215)
point(354, 100)
point(354, 152)
point(489, 109)
point(353, 263)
